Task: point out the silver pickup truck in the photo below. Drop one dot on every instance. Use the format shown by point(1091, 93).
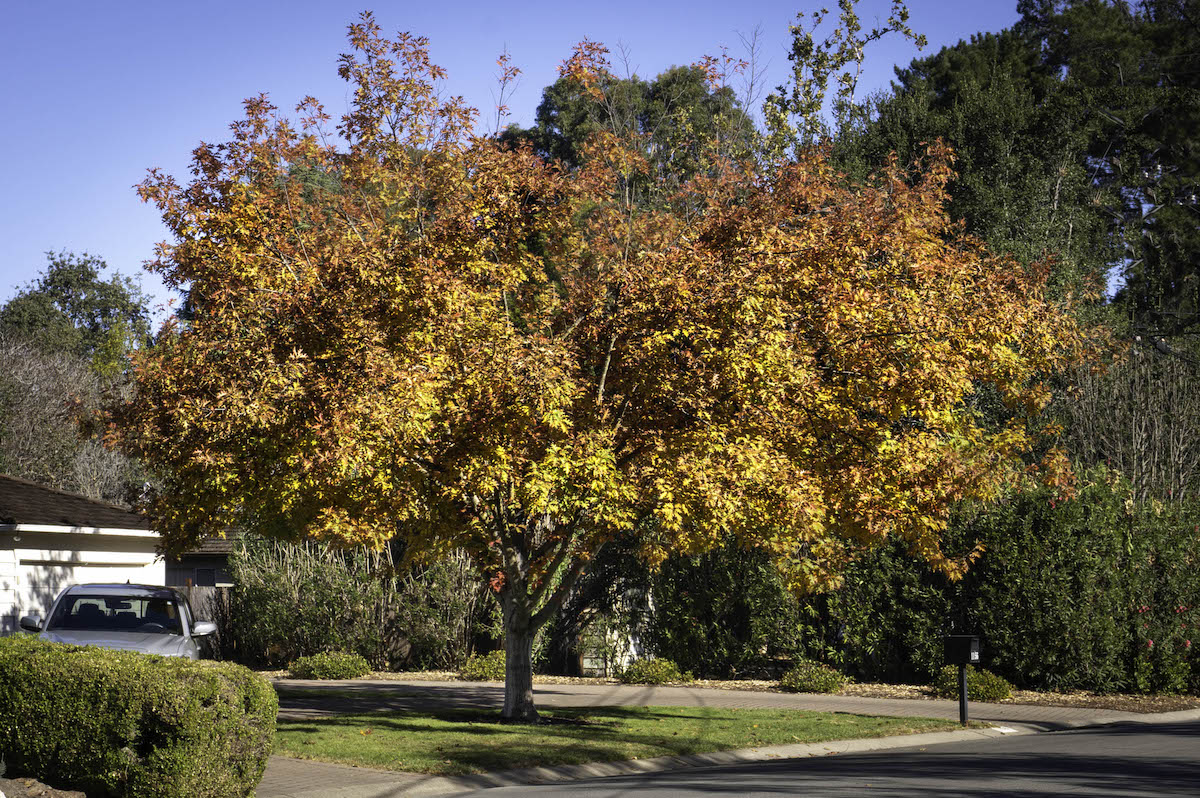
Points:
point(147, 618)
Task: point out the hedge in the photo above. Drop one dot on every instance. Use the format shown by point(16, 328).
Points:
point(1097, 592)
point(117, 723)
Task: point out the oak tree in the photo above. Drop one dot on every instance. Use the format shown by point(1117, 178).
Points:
point(463, 345)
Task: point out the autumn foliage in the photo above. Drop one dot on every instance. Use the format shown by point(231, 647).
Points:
point(404, 329)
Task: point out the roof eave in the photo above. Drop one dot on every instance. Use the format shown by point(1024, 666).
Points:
point(77, 530)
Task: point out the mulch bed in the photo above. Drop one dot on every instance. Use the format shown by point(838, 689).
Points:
point(1120, 702)
point(32, 788)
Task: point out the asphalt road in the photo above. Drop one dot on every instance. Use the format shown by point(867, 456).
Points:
point(1126, 759)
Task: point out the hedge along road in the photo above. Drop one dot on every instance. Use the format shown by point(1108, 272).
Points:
point(299, 699)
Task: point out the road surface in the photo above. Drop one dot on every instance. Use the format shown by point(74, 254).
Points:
point(1126, 759)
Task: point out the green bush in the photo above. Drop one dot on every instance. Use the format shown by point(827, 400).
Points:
point(291, 601)
point(329, 665)
point(724, 614)
point(1095, 593)
point(982, 685)
point(486, 668)
point(809, 676)
point(294, 600)
point(653, 671)
point(119, 723)
point(887, 622)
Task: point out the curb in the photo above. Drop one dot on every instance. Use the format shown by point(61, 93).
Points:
point(1147, 718)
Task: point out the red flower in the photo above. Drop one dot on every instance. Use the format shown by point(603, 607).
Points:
point(1149, 644)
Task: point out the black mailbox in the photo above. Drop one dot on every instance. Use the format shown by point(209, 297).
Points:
point(962, 650)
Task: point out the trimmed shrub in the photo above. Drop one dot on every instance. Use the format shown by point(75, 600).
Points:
point(119, 723)
point(653, 671)
point(809, 676)
point(330, 665)
point(982, 685)
point(486, 668)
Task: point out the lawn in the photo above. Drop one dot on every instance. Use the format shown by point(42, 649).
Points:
point(475, 741)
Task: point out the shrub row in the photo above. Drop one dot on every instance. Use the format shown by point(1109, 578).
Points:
point(484, 667)
point(1095, 593)
point(115, 723)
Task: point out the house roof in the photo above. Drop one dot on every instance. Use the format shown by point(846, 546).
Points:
point(23, 502)
point(216, 545)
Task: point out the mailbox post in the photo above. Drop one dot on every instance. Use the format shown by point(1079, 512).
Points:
point(962, 650)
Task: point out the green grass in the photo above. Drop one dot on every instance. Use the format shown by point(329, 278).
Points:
point(461, 742)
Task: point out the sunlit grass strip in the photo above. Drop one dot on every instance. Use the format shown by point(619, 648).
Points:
point(475, 741)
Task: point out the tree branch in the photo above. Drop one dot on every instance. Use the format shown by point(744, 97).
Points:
point(564, 587)
point(612, 342)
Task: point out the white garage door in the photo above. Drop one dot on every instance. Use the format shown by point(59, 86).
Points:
point(40, 574)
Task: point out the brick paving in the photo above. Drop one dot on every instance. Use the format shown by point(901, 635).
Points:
point(294, 778)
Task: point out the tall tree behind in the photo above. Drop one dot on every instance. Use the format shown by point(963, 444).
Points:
point(71, 310)
point(1076, 136)
point(683, 120)
point(64, 345)
point(1077, 132)
point(1135, 71)
point(49, 407)
point(1022, 182)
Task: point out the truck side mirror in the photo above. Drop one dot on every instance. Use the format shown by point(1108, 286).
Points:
point(31, 623)
point(203, 628)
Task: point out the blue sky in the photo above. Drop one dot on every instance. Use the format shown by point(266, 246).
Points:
point(96, 92)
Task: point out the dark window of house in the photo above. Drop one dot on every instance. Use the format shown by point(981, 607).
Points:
point(205, 577)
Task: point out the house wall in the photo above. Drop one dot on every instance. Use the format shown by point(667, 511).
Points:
point(36, 566)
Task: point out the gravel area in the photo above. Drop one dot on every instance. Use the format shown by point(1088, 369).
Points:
point(1116, 701)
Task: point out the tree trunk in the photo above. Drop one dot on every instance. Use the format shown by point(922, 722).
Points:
point(518, 650)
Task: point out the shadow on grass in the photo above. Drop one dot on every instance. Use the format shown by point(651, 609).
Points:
point(473, 741)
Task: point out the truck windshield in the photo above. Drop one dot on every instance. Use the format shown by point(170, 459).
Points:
point(116, 614)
